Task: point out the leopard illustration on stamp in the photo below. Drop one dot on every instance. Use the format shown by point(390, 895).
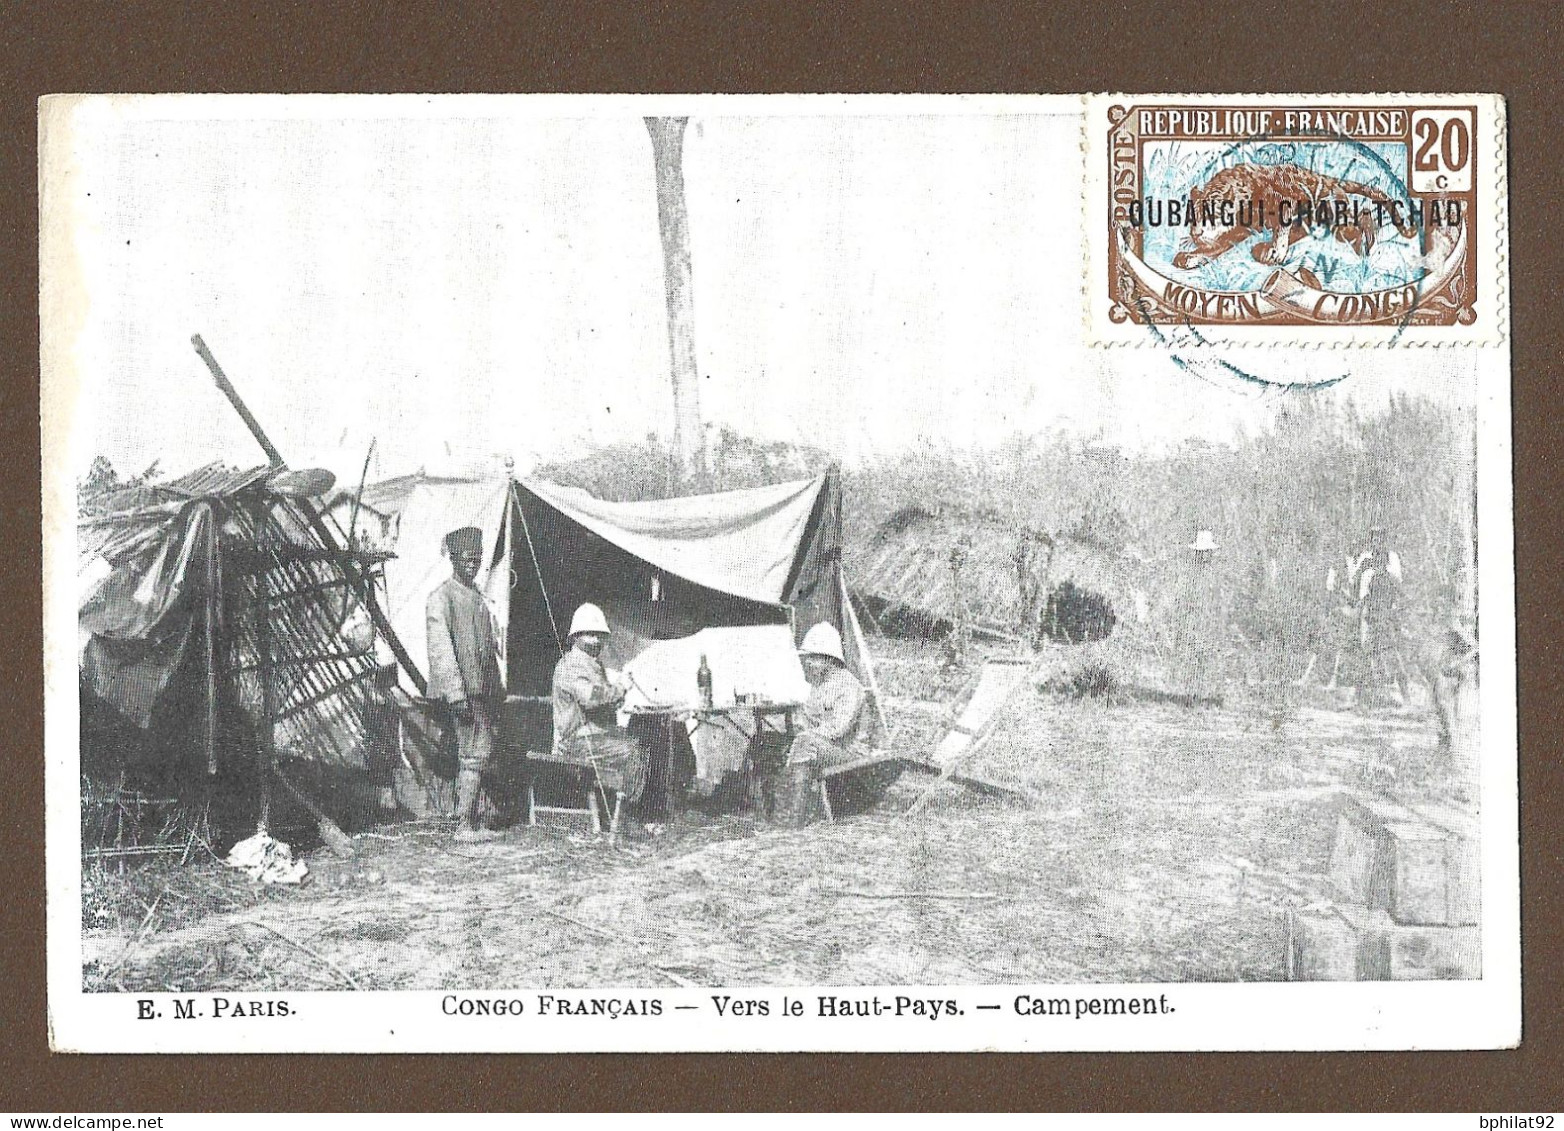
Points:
point(1339, 215)
point(1263, 199)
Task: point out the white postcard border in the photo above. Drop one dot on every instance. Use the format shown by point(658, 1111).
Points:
point(1271, 1016)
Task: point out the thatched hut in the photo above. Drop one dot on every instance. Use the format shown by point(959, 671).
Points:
point(926, 567)
point(223, 638)
point(927, 570)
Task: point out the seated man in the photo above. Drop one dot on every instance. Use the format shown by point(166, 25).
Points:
point(586, 703)
point(834, 719)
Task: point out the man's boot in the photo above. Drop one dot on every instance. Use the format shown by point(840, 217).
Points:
point(468, 783)
point(799, 789)
point(782, 798)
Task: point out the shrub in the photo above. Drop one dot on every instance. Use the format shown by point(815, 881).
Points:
point(1096, 680)
point(1074, 615)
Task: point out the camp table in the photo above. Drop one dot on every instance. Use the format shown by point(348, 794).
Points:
point(774, 719)
point(522, 730)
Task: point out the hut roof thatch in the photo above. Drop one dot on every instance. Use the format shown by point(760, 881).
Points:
point(914, 559)
point(212, 582)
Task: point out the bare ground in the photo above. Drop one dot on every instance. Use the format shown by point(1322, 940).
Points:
point(1167, 844)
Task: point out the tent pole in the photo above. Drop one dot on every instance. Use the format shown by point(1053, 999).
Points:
point(850, 619)
point(358, 499)
point(537, 568)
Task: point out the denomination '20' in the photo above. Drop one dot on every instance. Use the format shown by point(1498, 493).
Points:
point(1453, 142)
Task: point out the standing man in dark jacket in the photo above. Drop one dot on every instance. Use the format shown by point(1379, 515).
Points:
point(1379, 580)
point(464, 670)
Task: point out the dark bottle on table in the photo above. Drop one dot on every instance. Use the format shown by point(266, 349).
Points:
point(703, 681)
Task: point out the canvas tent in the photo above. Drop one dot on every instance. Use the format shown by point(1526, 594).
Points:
point(210, 604)
point(723, 572)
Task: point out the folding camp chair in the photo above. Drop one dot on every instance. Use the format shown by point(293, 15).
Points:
point(580, 780)
point(885, 755)
point(526, 726)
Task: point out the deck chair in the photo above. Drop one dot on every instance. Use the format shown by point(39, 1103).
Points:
point(997, 683)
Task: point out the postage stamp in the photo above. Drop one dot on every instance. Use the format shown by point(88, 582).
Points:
point(1335, 220)
point(563, 573)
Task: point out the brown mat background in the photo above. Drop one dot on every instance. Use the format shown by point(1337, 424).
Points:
point(1070, 46)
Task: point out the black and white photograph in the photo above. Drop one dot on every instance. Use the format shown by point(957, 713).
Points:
point(680, 573)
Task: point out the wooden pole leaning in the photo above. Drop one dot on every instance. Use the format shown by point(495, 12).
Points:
point(357, 578)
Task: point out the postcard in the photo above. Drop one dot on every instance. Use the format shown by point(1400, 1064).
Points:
point(810, 573)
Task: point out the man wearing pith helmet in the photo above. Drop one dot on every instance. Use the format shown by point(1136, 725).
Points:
point(1202, 621)
point(586, 704)
point(464, 669)
point(835, 717)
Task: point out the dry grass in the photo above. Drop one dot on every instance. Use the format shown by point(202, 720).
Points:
point(1167, 846)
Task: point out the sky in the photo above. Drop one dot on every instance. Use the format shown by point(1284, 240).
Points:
point(464, 280)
